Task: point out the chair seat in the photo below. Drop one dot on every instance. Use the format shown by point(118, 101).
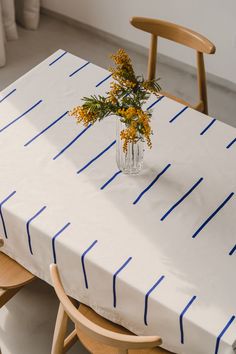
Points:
point(12, 274)
point(98, 348)
point(199, 107)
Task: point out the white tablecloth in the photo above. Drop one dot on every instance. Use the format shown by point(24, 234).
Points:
point(153, 252)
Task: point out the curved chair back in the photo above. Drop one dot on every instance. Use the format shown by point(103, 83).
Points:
point(181, 35)
point(120, 341)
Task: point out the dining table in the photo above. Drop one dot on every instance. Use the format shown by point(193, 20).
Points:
point(153, 252)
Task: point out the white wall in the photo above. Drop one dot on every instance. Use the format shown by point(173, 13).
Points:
point(216, 19)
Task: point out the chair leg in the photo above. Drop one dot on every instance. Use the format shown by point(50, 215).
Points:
point(60, 331)
point(6, 295)
point(70, 340)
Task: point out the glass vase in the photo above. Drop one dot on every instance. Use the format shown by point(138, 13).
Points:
point(129, 162)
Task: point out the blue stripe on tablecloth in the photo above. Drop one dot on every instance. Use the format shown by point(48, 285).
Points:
point(114, 279)
point(54, 240)
point(80, 68)
point(147, 296)
point(1, 214)
point(178, 114)
point(106, 78)
point(110, 180)
point(96, 157)
point(151, 184)
point(181, 318)
point(72, 142)
point(10, 93)
point(208, 126)
point(222, 333)
point(231, 143)
point(182, 198)
point(155, 102)
point(22, 115)
point(58, 58)
point(28, 225)
point(83, 264)
point(45, 129)
point(232, 251)
point(213, 214)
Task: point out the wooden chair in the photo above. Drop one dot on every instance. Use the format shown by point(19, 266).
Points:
point(184, 36)
point(12, 277)
point(98, 335)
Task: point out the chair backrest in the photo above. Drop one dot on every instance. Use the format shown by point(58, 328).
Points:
point(182, 35)
point(95, 331)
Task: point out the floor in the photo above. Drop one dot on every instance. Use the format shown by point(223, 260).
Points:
point(22, 55)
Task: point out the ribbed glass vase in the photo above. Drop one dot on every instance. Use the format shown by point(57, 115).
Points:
point(129, 162)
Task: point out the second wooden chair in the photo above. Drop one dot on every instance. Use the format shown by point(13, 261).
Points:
point(12, 277)
point(188, 38)
point(97, 334)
